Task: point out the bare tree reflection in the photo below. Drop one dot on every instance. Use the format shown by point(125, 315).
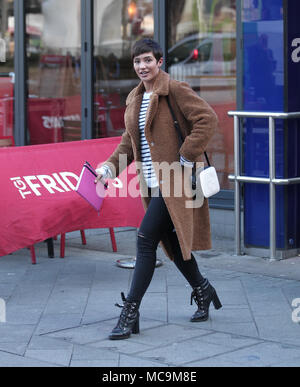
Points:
point(175, 13)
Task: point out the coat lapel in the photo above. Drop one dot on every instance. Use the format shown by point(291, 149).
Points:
point(152, 110)
point(132, 119)
point(134, 101)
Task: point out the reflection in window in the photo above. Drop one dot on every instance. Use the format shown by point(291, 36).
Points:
point(179, 52)
point(202, 52)
point(229, 49)
point(53, 48)
point(117, 25)
point(7, 49)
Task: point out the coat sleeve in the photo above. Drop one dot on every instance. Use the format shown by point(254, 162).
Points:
point(121, 157)
point(201, 118)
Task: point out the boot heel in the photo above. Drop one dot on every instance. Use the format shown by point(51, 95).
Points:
point(136, 327)
point(216, 301)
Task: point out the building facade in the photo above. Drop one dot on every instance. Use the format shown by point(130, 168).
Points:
point(65, 73)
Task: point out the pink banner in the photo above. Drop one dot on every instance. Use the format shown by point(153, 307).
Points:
point(38, 200)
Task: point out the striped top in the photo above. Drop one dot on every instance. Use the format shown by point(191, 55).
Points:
point(148, 170)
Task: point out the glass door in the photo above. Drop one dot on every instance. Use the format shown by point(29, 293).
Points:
point(53, 49)
point(7, 50)
point(117, 25)
point(202, 52)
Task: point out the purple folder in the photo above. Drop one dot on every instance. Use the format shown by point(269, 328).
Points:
point(86, 187)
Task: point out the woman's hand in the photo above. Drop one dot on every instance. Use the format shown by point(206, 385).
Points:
point(103, 173)
point(100, 178)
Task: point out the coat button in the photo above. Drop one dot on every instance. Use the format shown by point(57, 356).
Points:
point(152, 144)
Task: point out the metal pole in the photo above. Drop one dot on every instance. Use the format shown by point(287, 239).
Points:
point(20, 87)
point(87, 69)
point(160, 26)
point(272, 173)
point(237, 206)
point(272, 181)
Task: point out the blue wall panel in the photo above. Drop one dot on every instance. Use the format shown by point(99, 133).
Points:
point(263, 77)
point(293, 104)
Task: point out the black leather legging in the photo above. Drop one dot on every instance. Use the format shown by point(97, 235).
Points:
point(156, 223)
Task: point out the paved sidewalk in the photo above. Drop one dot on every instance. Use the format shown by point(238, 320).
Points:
point(61, 311)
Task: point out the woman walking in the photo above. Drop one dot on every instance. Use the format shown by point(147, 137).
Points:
point(150, 138)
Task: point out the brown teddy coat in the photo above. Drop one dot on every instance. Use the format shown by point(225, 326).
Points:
point(197, 122)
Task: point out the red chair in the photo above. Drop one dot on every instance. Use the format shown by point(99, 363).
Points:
point(83, 240)
point(32, 252)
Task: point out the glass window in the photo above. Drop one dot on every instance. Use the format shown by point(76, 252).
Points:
point(53, 49)
point(117, 25)
point(202, 52)
point(180, 52)
point(7, 49)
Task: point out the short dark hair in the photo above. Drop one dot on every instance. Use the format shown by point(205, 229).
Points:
point(143, 46)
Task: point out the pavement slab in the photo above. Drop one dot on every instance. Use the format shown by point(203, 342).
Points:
point(59, 312)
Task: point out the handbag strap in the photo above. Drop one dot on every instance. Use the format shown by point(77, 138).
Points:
point(179, 132)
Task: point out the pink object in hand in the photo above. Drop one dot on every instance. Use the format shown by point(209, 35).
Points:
point(88, 190)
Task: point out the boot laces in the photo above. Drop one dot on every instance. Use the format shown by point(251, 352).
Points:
point(197, 296)
point(127, 309)
point(123, 299)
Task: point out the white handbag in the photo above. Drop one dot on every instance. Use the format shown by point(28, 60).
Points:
point(205, 180)
point(209, 182)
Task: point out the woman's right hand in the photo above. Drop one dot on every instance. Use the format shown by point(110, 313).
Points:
point(102, 175)
point(99, 178)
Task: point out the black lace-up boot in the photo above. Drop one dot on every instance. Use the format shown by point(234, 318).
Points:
point(203, 295)
point(128, 321)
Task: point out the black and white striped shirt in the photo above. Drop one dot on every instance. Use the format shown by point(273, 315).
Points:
point(148, 170)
